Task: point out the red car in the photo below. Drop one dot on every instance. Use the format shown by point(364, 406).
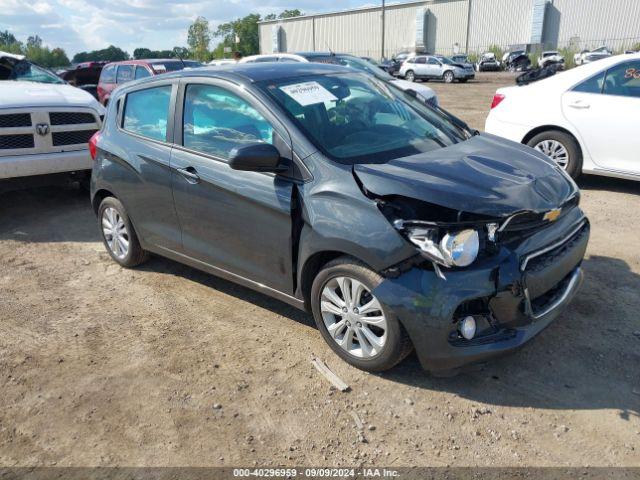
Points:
point(117, 73)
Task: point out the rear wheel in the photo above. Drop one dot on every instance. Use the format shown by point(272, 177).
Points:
point(410, 76)
point(448, 76)
point(118, 235)
point(355, 324)
point(560, 147)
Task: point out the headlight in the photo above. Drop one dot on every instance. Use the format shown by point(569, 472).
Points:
point(458, 249)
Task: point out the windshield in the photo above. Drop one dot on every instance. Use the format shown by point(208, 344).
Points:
point(355, 118)
point(174, 65)
point(445, 60)
point(26, 71)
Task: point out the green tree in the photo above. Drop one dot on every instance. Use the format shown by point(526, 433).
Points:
point(139, 53)
point(199, 38)
point(291, 13)
point(109, 54)
point(180, 52)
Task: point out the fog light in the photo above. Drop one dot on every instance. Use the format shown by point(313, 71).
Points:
point(468, 327)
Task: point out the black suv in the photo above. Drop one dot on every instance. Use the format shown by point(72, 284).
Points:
point(394, 224)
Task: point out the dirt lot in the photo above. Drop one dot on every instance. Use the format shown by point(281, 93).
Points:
point(164, 365)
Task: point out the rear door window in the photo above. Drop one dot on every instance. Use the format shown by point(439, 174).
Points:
point(216, 121)
point(591, 85)
point(623, 80)
point(146, 112)
point(125, 73)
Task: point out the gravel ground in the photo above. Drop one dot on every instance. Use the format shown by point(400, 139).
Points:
point(167, 366)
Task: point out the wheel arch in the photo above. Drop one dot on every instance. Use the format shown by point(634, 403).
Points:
point(547, 128)
point(98, 197)
point(313, 264)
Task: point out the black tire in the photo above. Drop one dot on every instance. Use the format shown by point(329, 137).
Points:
point(463, 80)
point(448, 76)
point(397, 345)
point(135, 254)
point(409, 76)
point(574, 165)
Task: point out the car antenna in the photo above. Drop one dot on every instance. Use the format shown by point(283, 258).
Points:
point(181, 61)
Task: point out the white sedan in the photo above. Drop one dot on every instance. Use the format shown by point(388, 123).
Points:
point(586, 119)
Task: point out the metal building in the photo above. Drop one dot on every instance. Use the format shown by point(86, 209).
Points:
point(451, 26)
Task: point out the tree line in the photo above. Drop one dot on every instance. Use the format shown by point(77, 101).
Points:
point(240, 35)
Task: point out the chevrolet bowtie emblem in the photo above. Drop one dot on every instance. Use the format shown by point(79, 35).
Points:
point(552, 215)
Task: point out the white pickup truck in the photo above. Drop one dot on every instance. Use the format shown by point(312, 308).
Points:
point(45, 124)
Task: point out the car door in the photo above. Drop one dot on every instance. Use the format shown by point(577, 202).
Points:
point(604, 110)
point(143, 149)
point(237, 221)
point(434, 67)
point(420, 67)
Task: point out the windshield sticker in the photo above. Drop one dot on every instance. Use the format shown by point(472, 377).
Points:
point(308, 93)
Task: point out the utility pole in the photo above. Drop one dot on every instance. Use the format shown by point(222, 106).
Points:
point(382, 52)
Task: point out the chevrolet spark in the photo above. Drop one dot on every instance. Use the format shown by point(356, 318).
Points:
point(392, 222)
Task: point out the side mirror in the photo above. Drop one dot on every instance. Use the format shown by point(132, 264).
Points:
point(256, 157)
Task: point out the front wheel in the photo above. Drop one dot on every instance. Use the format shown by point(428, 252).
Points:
point(357, 325)
point(118, 235)
point(560, 147)
point(448, 77)
point(410, 76)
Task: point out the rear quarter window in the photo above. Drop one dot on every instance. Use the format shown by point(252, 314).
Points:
point(125, 74)
point(108, 74)
point(146, 112)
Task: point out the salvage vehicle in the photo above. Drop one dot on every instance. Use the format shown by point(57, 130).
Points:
point(329, 189)
point(588, 56)
point(518, 63)
point(551, 57)
point(350, 61)
point(45, 123)
point(432, 67)
point(84, 76)
point(584, 119)
point(488, 63)
point(117, 73)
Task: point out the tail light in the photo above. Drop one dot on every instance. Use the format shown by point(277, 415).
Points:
point(497, 100)
point(93, 145)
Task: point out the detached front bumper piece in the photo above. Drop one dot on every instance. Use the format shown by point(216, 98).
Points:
point(512, 297)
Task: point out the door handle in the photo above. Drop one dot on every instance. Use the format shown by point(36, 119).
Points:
point(579, 105)
point(190, 174)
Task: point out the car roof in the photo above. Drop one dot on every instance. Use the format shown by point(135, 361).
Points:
point(254, 72)
point(150, 61)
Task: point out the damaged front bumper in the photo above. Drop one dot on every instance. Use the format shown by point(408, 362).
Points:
point(512, 295)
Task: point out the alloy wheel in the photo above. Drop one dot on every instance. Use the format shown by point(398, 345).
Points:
point(115, 232)
point(410, 76)
point(448, 77)
point(555, 151)
point(353, 317)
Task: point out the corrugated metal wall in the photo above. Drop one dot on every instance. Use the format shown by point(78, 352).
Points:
point(500, 22)
point(446, 25)
point(357, 33)
point(590, 23)
point(615, 23)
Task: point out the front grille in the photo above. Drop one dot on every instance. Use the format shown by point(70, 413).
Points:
point(72, 138)
point(11, 120)
point(547, 259)
point(527, 222)
point(70, 118)
point(10, 142)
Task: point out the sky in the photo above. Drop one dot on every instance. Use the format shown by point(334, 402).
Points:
point(77, 25)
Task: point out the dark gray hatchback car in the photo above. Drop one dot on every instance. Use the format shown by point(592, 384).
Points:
point(389, 220)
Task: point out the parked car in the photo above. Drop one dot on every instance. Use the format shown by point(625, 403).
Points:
point(488, 63)
point(551, 57)
point(350, 61)
point(584, 118)
point(321, 186)
point(509, 56)
point(588, 56)
point(431, 67)
point(84, 76)
point(45, 123)
point(117, 73)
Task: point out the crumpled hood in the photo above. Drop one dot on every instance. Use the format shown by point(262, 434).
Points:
point(483, 175)
point(16, 94)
